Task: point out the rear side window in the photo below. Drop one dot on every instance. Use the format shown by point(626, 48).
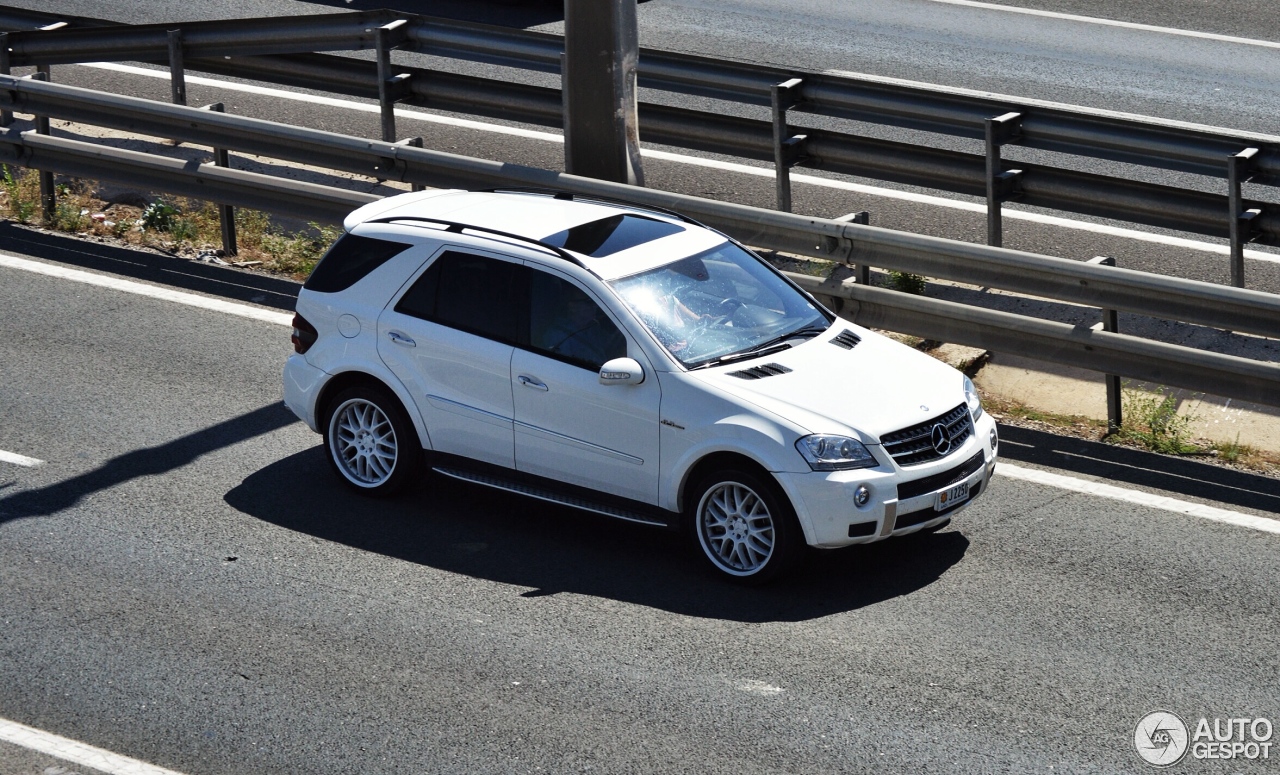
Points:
point(471, 293)
point(350, 259)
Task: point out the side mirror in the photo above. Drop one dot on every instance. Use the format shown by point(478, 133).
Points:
point(622, 371)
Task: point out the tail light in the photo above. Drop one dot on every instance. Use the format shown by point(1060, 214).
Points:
point(304, 334)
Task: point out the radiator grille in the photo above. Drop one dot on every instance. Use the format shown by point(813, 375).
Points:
point(917, 444)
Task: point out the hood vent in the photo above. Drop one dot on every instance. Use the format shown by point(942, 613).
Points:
point(846, 339)
point(760, 372)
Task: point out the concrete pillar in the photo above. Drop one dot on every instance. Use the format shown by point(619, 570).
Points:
point(602, 136)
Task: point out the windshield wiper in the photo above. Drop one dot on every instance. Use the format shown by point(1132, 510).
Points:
point(768, 347)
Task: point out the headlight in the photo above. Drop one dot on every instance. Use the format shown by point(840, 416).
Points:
point(834, 453)
point(971, 398)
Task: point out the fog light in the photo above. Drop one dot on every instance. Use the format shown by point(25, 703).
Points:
point(861, 496)
point(995, 442)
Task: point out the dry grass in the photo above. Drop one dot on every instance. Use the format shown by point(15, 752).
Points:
point(176, 225)
point(1231, 455)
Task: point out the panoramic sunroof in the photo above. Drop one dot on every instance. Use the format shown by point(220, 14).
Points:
point(612, 235)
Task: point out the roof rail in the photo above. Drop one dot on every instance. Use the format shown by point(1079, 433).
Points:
point(458, 228)
point(573, 197)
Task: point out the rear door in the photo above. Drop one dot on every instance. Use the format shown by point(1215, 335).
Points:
point(449, 338)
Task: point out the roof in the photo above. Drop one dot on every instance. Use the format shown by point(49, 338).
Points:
point(608, 246)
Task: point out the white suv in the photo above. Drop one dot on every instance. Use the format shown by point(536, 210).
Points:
point(629, 362)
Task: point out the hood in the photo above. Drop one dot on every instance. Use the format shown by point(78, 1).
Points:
point(877, 387)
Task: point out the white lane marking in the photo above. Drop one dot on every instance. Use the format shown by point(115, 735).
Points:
point(765, 172)
point(76, 752)
point(1112, 23)
point(19, 460)
point(1138, 497)
point(155, 292)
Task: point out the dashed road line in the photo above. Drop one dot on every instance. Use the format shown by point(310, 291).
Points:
point(725, 166)
point(1138, 497)
point(19, 460)
point(73, 751)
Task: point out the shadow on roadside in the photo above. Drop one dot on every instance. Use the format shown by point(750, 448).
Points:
point(1122, 465)
point(503, 13)
point(487, 534)
point(185, 274)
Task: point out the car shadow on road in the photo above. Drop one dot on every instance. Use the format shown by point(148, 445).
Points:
point(149, 461)
point(1123, 465)
point(487, 534)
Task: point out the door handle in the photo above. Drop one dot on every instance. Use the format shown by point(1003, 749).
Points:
point(530, 382)
point(400, 338)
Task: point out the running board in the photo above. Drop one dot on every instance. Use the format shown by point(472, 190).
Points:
point(549, 496)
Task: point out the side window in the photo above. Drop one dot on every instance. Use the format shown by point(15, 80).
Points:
point(471, 293)
point(567, 324)
point(349, 260)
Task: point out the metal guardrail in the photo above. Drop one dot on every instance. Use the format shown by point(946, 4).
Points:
point(959, 112)
point(1072, 281)
point(270, 54)
point(1120, 354)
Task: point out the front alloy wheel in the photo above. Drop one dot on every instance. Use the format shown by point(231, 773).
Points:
point(742, 526)
point(369, 441)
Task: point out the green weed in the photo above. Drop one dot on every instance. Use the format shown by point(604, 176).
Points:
point(906, 282)
point(1152, 420)
point(23, 194)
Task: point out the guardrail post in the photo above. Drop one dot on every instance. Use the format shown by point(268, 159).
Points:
point(226, 213)
point(177, 71)
point(1001, 185)
point(45, 72)
point(414, 142)
point(1240, 224)
point(6, 116)
point(1111, 324)
point(598, 91)
point(48, 194)
point(863, 218)
point(389, 36)
point(788, 151)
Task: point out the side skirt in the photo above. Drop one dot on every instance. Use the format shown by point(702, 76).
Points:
point(555, 492)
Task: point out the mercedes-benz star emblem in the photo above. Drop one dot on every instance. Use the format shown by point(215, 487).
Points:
point(941, 439)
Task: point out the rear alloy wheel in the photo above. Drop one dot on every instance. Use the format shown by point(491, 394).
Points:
point(744, 526)
point(370, 442)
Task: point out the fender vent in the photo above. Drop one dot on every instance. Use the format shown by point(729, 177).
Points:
point(760, 372)
point(846, 339)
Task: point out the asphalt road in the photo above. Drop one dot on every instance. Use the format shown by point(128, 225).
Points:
point(185, 583)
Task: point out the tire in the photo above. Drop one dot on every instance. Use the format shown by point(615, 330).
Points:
point(370, 443)
point(744, 526)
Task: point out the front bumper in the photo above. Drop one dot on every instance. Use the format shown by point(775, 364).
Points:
point(824, 502)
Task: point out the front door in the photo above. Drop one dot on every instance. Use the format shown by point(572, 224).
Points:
point(568, 426)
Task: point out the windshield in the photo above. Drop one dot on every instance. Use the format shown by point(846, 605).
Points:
point(717, 304)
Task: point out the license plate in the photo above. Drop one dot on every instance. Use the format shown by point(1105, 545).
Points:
point(951, 496)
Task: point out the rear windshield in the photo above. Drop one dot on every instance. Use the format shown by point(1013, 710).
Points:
point(350, 259)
